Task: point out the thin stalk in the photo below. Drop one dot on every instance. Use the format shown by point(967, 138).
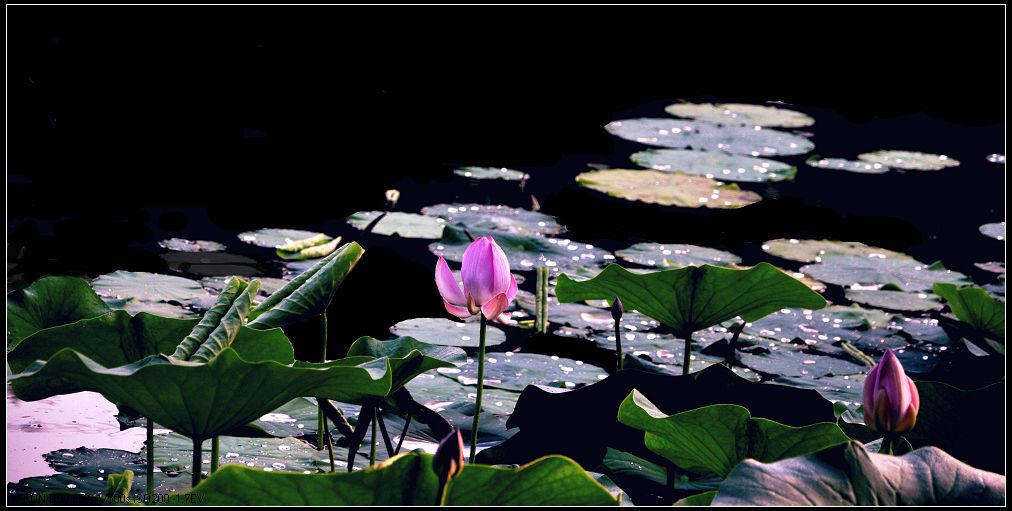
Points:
point(197, 462)
point(215, 445)
point(386, 435)
point(372, 442)
point(404, 433)
point(887, 444)
point(538, 309)
point(732, 347)
point(481, 383)
point(618, 343)
point(688, 352)
point(330, 444)
point(544, 301)
point(321, 419)
point(150, 469)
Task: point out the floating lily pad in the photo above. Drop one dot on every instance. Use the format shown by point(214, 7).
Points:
point(524, 252)
point(819, 329)
point(496, 218)
point(670, 255)
point(86, 471)
point(894, 300)
point(679, 134)
point(906, 274)
point(584, 317)
point(147, 287)
point(271, 238)
point(715, 165)
point(846, 389)
point(808, 251)
point(446, 332)
point(667, 188)
point(184, 245)
point(165, 310)
point(910, 160)
point(268, 285)
point(996, 158)
point(174, 452)
point(439, 393)
point(308, 252)
point(212, 263)
point(995, 230)
point(740, 113)
point(790, 359)
point(860, 167)
point(405, 225)
point(514, 371)
point(492, 173)
point(993, 266)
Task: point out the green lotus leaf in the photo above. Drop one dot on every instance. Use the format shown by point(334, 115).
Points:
point(271, 238)
point(904, 273)
point(713, 439)
point(408, 356)
point(715, 165)
point(185, 245)
point(495, 218)
point(310, 252)
point(860, 167)
point(909, 160)
point(667, 188)
point(525, 252)
point(219, 326)
point(696, 297)
point(973, 306)
point(741, 113)
point(48, 302)
point(810, 251)
point(894, 300)
point(309, 294)
point(847, 474)
point(447, 332)
point(409, 479)
point(405, 225)
point(706, 136)
point(201, 400)
point(492, 173)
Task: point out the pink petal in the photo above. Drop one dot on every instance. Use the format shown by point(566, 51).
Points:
point(511, 292)
point(460, 312)
point(484, 270)
point(448, 287)
point(894, 382)
point(494, 307)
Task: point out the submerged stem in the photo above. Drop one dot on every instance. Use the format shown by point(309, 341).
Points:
point(215, 444)
point(150, 469)
point(372, 442)
point(688, 353)
point(481, 382)
point(197, 462)
point(404, 433)
point(732, 347)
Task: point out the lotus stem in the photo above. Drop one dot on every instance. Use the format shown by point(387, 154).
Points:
point(321, 419)
point(732, 346)
point(330, 444)
point(542, 299)
point(404, 433)
point(215, 445)
point(197, 461)
point(688, 353)
point(372, 441)
point(481, 383)
point(887, 444)
point(386, 435)
point(150, 469)
point(618, 344)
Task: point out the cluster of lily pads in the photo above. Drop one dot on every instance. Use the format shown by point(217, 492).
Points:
point(711, 381)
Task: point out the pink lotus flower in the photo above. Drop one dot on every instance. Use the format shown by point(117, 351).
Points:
point(488, 285)
point(890, 397)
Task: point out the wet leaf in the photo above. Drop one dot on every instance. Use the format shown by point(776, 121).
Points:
point(994, 230)
point(515, 371)
point(405, 225)
point(905, 274)
point(272, 238)
point(496, 218)
point(973, 306)
point(678, 134)
point(313, 252)
point(673, 255)
point(524, 252)
point(492, 173)
point(909, 160)
point(447, 332)
point(48, 302)
point(809, 251)
point(739, 113)
point(715, 165)
point(667, 188)
point(184, 245)
point(147, 287)
point(894, 300)
point(860, 167)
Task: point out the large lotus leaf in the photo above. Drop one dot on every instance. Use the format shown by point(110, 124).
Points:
point(405, 225)
point(696, 297)
point(408, 357)
point(440, 393)
point(973, 306)
point(308, 295)
point(409, 479)
point(812, 251)
point(117, 339)
point(211, 263)
point(715, 165)
point(844, 389)
point(995, 230)
point(271, 238)
point(185, 245)
point(582, 422)
point(646, 482)
point(447, 332)
point(48, 302)
point(495, 218)
point(679, 134)
point(524, 252)
point(201, 400)
point(910, 160)
point(789, 359)
point(905, 274)
point(675, 255)
point(740, 113)
point(860, 167)
point(667, 188)
point(310, 252)
point(585, 317)
point(166, 310)
point(492, 173)
point(148, 287)
point(894, 300)
point(713, 439)
point(515, 371)
point(847, 474)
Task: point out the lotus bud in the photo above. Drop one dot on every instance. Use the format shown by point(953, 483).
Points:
point(488, 286)
point(616, 309)
point(890, 398)
point(449, 459)
point(392, 197)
